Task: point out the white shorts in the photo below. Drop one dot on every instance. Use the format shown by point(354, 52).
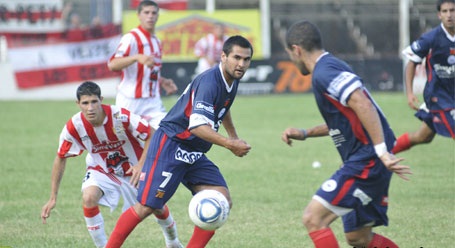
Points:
point(150, 108)
point(202, 65)
point(113, 187)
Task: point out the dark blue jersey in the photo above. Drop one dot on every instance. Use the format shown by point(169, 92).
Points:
point(333, 83)
point(206, 100)
point(438, 47)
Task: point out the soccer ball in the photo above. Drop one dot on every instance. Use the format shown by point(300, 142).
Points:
point(208, 209)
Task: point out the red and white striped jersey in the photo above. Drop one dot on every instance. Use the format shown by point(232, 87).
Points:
point(119, 141)
point(210, 46)
point(139, 81)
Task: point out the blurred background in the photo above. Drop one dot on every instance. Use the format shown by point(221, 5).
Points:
point(48, 47)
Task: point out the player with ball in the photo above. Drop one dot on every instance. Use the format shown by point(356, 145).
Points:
point(177, 150)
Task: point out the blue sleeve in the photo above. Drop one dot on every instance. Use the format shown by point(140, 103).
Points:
point(422, 46)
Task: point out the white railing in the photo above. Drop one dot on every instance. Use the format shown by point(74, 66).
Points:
point(3, 49)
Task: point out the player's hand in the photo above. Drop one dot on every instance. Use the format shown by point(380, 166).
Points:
point(393, 164)
point(135, 174)
point(46, 210)
point(239, 147)
point(413, 102)
point(292, 133)
point(146, 60)
point(168, 86)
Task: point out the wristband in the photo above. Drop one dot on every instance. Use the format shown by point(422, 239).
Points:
point(380, 149)
point(304, 133)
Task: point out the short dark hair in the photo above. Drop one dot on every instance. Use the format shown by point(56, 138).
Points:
point(144, 3)
point(440, 2)
point(88, 88)
point(304, 34)
point(238, 41)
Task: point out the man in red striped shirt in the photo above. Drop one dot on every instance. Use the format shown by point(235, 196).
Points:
point(138, 57)
point(209, 48)
point(114, 139)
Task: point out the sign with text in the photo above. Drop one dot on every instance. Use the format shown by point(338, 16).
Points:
point(180, 30)
point(61, 63)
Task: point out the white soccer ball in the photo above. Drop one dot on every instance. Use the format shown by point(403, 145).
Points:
point(316, 164)
point(209, 209)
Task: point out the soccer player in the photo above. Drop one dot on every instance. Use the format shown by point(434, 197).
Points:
point(208, 49)
point(138, 56)
point(358, 191)
point(437, 113)
point(114, 139)
point(177, 150)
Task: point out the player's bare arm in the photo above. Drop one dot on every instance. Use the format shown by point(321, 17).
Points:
point(168, 85)
point(409, 78)
point(56, 177)
point(228, 125)
point(137, 169)
point(237, 146)
point(393, 164)
point(368, 116)
point(301, 134)
point(118, 64)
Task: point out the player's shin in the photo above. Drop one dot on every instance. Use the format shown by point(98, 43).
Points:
point(381, 241)
point(95, 225)
point(125, 225)
point(169, 228)
point(324, 238)
point(200, 238)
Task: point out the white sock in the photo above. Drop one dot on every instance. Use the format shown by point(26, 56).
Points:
point(95, 227)
point(169, 228)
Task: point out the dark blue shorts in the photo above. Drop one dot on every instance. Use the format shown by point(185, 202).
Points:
point(439, 121)
point(361, 187)
point(170, 163)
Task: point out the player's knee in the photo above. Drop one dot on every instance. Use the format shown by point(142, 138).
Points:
point(309, 220)
point(357, 241)
point(423, 139)
point(427, 139)
point(91, 196)
point(90, 200)
point(359, 238)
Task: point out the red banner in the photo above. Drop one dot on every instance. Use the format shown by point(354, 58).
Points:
point(39, 78)
point(164, 4)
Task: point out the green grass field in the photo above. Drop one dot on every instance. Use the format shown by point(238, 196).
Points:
point(270, 186)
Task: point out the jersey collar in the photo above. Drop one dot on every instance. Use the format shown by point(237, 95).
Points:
point(450, 37)
point(228, 88)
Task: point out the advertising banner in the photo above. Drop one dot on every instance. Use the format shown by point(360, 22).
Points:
point(180, 30)
point(276, 76)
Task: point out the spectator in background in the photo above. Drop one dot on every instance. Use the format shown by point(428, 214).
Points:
point(209, 48)
point(67, 11)
point(76, 31)
point(96, 28)
point(437, 111)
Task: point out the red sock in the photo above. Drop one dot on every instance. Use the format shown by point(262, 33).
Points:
point(165, 213)
point(91, 212)
point(379, 241)
point(200, 238)
point(403, 144)
point(125, 225)
point(324, 238)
